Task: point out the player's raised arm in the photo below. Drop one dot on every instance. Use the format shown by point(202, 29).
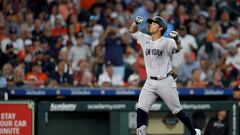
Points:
point(175, 36)
point(133, 28)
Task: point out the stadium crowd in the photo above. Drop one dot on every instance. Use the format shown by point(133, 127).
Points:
point(62, 43)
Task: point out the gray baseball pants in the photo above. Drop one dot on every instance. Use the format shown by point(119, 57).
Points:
point(165, 88)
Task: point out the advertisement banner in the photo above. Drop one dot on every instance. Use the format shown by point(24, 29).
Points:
point(16, 118)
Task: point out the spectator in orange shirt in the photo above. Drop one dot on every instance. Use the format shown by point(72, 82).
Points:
point(59, 29)
point(36, 77)
point(86, 4)
point(73, 20)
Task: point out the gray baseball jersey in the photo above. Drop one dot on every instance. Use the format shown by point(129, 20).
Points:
point(157, 58)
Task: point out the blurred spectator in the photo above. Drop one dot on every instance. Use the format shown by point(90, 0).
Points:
point(212, 52)
point(130, 54)
point(96, 29)
point(63, 56)
point(28, 25)
point(188, 43)
point(129, 60)
point(186, 69)
point(217, 125)
point(9, 55)
point(212, 12)
point(232, 38)
point(36, 77)
point(98, 60)
point(170, 26)
point(59, 28)
point(119, 8)
point(47, 34)
point(3, 82)
point(84, 76)
point(57, 46)
point(180, 16)
point(45, 56)
point(225, 21)
point(231, 66)
point(38, 28)
point(236, 89)
point(133, 81)
point(64, 52)
point(63, 77)
point(70, 36)
point(109, 78)
point(52, 83)
point(73, 20)
point(79, 52)
point(146, 10)
point(140, 68)
point(54, 13)
point(88, 35)
point(2, 26)
point(114, 49)
point(171, 6)
point(65, 8)
point(217, 80)
point(19, 74)
point(202, 25)
point(7, 73)
point(12, 39)
point(206, 70)
point(26, 54)
point(87, 4)
point(195, 81)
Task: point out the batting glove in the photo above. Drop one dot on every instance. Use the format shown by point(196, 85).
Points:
point(138, 20)
point(175, 36)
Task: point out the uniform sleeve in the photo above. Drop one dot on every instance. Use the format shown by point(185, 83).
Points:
point(140, 37)
point(170, 46)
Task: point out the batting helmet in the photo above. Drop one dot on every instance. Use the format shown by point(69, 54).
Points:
point(159, 20)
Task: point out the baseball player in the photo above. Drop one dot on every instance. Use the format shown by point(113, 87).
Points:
point(160, 81)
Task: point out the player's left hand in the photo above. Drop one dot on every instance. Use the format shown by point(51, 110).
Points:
point(174, 35)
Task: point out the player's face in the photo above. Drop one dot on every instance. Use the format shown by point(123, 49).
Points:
point(154, 28)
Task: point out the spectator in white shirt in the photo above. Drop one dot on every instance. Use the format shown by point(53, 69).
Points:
point(108, 76)
point(79, 52)
point(188, 43)
point(232, 62)
point(14, 40)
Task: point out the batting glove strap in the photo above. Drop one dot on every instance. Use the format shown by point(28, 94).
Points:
point(138, 20)
point(175, 36)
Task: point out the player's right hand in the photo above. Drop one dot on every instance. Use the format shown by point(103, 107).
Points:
point(138, 19)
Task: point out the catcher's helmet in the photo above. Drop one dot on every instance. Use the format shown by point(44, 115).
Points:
point(159, 20)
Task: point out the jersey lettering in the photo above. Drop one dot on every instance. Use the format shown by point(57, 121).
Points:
point(157, 52)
